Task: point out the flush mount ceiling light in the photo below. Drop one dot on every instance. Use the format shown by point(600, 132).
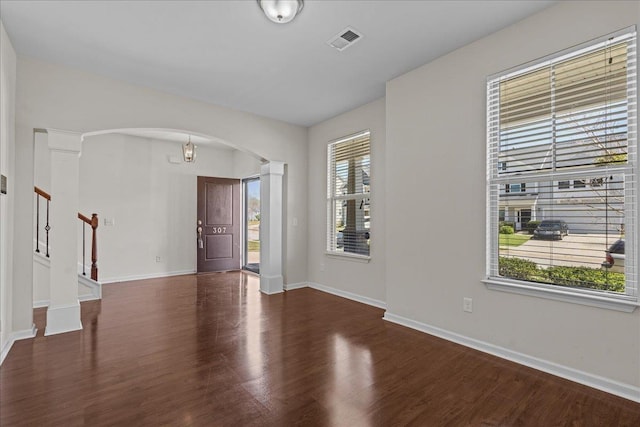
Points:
point(189, 151)
point(281, 11)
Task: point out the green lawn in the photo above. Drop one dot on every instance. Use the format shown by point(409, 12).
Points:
point(253, 245)
point(513, 239)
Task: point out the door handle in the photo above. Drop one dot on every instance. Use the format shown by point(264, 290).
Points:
point(199, 229)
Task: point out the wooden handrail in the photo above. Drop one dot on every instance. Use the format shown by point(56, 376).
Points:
point(42, 193)
point(84, 218)
point(92, 222)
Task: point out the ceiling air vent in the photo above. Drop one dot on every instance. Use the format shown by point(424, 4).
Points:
point(344, 39)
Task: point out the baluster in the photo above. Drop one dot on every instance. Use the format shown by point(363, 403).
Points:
point(37, 223)
point(47, 228)
point(84, 250)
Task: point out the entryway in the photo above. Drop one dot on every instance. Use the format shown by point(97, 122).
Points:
point(218, 224)
point(251, 190)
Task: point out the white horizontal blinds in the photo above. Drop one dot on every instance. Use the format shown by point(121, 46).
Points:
point(590, 100)
point(493, 168)
point(348, 194)
point(561, 141)
point(569, 113)
point(630, 192)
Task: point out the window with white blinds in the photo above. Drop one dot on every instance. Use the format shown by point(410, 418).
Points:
point(561, 162)
point(348, 195)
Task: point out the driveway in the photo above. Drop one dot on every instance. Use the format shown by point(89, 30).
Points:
point(574, 250)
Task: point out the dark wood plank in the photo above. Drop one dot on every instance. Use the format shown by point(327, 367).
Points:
point(212, 350)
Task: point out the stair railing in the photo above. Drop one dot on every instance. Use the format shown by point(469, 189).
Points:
point(46, 196)
point(91, 222)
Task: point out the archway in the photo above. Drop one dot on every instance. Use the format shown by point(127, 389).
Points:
point(271, 176)
point(271, 172)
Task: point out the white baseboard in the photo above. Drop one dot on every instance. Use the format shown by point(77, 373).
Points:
point(82, 298)
point(88, 297)
point(15, 336)
point(95, 292)
point(292, 286)
point(64, 318)
point(95, 288)
point(271, 285)
point(627, 391)
point(348, 295)
point(146, 276)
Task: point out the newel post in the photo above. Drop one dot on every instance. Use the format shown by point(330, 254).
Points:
point(94, 247)
point(63, 313)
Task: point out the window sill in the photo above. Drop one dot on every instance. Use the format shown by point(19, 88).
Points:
point(348, 256)
point(610, 302)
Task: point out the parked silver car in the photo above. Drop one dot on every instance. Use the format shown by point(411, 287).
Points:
point(615, 257)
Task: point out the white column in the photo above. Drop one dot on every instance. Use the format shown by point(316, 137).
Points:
point(271, 281)
point(63, 314)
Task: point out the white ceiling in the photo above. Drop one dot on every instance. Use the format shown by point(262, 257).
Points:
point(228, 53)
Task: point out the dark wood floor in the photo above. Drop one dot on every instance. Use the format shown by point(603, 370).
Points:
point(211, 350)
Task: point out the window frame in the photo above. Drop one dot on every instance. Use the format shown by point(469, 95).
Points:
point(626, 302)
point(332, 198)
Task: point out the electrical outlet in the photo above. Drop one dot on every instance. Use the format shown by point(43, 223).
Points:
point(158, 259)
point(321, 266)
point(467, 305)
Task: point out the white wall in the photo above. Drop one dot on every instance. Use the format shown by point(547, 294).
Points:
point(7, 138)
point(435, 199)
point(151, 202)
point(348, 275)
point(244, 165)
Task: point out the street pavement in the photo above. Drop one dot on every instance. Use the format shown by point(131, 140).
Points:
point(574, 250)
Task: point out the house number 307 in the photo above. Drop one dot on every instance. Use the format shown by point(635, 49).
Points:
point(219, 230)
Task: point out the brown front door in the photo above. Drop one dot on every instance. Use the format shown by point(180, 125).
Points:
point(219, 217)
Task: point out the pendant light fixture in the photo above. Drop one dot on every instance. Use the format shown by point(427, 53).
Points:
point(189, 151)
point(281, 11)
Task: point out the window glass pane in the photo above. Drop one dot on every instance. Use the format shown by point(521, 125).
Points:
point(252, 225)
point(563, 130)
point(562, 236)
point(525, 147)
point(348, 200)
point(352, 176)
point(352, 225)
point(351, 166)
point(597, 136)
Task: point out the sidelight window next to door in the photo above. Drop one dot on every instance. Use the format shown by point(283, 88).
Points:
point(251, 190)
